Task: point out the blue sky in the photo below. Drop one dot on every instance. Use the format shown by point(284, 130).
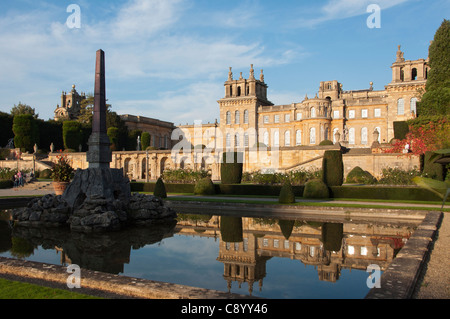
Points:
point(169, 59)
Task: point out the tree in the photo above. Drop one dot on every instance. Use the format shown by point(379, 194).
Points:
point(26, 132)
point(436, 99)
point(23, 109)
point(145, 140)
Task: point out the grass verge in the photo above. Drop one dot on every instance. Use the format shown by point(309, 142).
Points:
point(21, 290)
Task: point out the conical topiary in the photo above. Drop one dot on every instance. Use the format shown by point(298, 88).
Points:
point(286, 194)
point(160, 189)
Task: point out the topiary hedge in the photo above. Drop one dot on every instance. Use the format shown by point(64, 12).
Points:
point(286, 194)
point(332, 235)
point(231, 168)
point(72, 134)
point(205, 186)
point(231, 229)
point(360, 176)
point(160, 189)
point(431, 169)
point(333, 168)
point(316, 188)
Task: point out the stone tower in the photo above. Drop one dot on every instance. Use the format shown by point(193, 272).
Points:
point(70, 105)
point(239, 109)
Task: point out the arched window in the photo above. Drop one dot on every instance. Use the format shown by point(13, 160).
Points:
point(400, 107)
point(312, 135)
point(276, 139)
point(246, 140)
point(351, 136)
point(246, 117)
point(287, 138)
point(239, 91)
point(364, 136)
point(237, 143)
point(266, 138)
point(313, 112)
point(298, 137)
point(237, 117)
point(228, 117)
point(413, 105)
point(414, 74)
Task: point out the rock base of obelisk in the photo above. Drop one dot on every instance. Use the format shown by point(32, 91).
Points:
point(98, 199)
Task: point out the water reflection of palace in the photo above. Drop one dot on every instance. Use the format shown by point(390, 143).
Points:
point(328, 247)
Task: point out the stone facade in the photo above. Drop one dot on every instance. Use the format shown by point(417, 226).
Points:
point(70, 105)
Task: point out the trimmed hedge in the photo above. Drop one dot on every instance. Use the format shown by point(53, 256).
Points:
point(360, 176)
point(431, 169)
point(4, 183)
point(401, 128)
point(410, 193)
point(160, 189)
point(332, 235)
point(316, 188)
point(286, 194)
point(231, 173)
point(231, 229)
point(204, 187)
point(333, 168)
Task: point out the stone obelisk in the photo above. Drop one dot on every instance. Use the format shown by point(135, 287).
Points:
point(99, 154)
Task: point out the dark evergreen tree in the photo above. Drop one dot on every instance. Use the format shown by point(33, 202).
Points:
point(436, 99)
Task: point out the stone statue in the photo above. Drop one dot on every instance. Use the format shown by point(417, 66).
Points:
point(138, 143)
point(52, 148)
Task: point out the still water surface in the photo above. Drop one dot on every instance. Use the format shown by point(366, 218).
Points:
point(268, 258)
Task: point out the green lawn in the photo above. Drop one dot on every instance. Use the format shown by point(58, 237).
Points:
point(19, 290)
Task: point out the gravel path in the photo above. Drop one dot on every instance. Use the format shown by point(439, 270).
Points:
point(435, 282)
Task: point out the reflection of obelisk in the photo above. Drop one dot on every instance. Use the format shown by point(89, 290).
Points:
point(99, 154)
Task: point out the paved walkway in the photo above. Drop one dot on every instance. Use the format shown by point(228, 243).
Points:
point(435, 282)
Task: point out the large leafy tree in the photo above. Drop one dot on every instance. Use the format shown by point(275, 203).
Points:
point(22, 108)
point(436, 99)
point(26, 132)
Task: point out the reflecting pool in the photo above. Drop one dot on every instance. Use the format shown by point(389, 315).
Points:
point(270, 258)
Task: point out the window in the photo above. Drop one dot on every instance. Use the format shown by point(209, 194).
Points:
point(351, 250)
point(400, 107)
point(246, 140)
point(377, 113)
point(312, 136)
point(266, 138)
point(266, 119)
point(276, 243)
point(237, 117)
point(286, 244)
point(287, 138)
point(313, 112)
point(276, 139)
point(246, 117)
point(298, 137)
point(298, 246)
point(336, 114)
point(363, 251)
point(265, 242)
point(413, 105)
point(299, 116)
point(287, 118)
point(228, 140)
point(236, 140)
point(228, 117)
point(364, 136)
point(414, 74)
point(351, 136)
point(276, 119)
point(351, 114)
point(364, 113)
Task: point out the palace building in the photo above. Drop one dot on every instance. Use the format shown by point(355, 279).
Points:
point(289, 135)
point(354, 118)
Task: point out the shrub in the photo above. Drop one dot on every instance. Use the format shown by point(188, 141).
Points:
point(286, 194)
point(62, 171)
point(160, 189)
point(204, 187)
point(4, 153)
point(231, 168)
point(360, 176)
point(5, 183)
point(431, 169)
point(333, 168)
point(332, 235)
point(114, 135)
point(326, 142)
point(46, 173)
point(397, 176)
point(184, 175)
point(286, 227)
point(316, 188)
